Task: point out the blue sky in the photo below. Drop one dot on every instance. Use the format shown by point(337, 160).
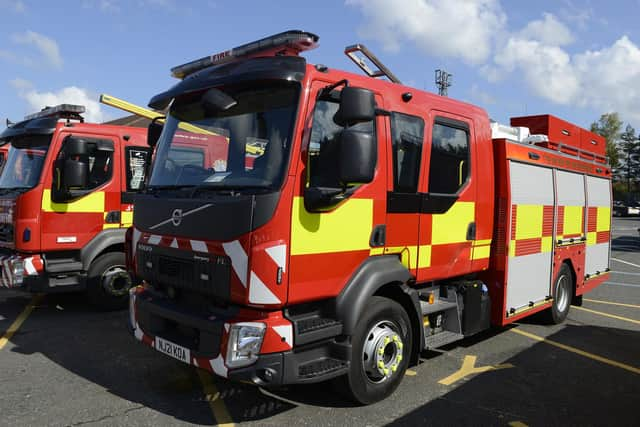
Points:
point(575, 59)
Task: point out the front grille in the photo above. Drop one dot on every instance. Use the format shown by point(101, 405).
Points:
point(182, 270)
point(6, 233)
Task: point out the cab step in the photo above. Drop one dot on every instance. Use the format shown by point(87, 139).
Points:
point(322, 367)
point(441, 338)
point(315, 328)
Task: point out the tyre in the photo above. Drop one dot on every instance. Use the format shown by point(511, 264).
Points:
point(381, 349)
point(562, 294)
point(108, 282)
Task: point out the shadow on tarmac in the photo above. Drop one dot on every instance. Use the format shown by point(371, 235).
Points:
point(548, 386)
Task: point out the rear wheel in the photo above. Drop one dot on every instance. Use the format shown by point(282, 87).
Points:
point(562, 295)
point(381, 349)
point(108, 282)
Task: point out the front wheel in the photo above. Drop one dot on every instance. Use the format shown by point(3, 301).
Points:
point(108, 282)
point(562, 295)
point(381, 349)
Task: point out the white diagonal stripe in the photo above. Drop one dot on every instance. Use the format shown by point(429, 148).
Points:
point(154, 240)
point(239, 259)
point(29, 267)
point(279, 255)
point(218, 367)
point(286, 332)
point(199, 246)
point(259, 293)
point(174, 243)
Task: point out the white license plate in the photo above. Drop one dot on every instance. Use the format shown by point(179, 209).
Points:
point(634, 211)
point(174, 350)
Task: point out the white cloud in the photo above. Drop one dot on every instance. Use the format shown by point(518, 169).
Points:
point(69, 95)
point(548, 31)
point(13, 5)
point(47, 47)
point(107, 6)
point(462, 29)
point(480, 96)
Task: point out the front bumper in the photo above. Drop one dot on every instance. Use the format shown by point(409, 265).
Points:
point(153, 316)
point(32, 273)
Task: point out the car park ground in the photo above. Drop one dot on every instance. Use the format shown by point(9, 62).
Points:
point(62, 363)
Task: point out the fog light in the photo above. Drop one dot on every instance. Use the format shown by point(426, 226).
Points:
point(245, 340)
point(17, 270)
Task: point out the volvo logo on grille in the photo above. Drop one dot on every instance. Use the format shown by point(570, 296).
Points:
point(176, 217)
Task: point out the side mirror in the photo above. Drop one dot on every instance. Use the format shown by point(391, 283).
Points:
point(357, 157)
point(75, 147)
point(75, 174)
point(154, 131)
point(357, 105)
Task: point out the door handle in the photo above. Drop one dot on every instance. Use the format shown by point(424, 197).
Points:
point(471, 231)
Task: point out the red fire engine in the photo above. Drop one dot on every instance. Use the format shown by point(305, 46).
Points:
point(66, 199)
point(380, 220)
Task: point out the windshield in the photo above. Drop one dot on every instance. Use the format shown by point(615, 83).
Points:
point(24, 163)
point(242, 145)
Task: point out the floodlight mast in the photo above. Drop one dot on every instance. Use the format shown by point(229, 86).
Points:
point(443, 81)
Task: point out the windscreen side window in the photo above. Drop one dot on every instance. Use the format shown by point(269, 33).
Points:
point(323, 145)
point(99, 156)
point(449, 169)
point(407, 135)
point(137, 159)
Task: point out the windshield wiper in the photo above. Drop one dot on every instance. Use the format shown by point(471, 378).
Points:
point(227, 189)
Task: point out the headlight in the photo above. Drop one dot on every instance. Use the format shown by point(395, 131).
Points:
point(245, 340)
point(17, 270)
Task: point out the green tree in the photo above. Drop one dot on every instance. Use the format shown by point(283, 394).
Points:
point(609, 125)
point(629, 157)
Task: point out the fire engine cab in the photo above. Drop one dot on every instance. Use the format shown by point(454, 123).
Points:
point(66, 199)
point(379, 221)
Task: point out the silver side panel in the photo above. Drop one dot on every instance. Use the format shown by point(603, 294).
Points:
point(529, 276)
point(570, 189)
point(598, 195)
point(528, 280)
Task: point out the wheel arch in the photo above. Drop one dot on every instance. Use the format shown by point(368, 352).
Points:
point(110, 240)
point(381, 276)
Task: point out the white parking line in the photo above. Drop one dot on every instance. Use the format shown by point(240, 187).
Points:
point(625, 262)
point(625, 272)
point(622, 284)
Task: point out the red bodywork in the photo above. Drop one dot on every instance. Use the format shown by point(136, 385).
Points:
point(317, 253)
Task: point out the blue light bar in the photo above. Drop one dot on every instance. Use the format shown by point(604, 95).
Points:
point(289, 43)
point(62, 110)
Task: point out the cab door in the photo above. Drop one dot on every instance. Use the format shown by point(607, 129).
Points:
point(447, 227)
point(74, 221)
point(405, 163)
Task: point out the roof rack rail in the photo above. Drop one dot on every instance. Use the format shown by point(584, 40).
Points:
point(359, 54)
point(62, 111)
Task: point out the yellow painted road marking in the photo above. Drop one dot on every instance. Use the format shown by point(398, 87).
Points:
point(216, 403)
point(578, 351)
point(517, 424)
point(20, 320)
point(468, 367)
point(612, 303)
point(613, 316)
point(410, 373)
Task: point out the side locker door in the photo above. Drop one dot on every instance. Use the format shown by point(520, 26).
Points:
point(598, 225)
point(448, 210)
point(404, 164)
point(531, 220)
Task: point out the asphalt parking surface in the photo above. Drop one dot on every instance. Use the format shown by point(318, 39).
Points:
point(69, 365)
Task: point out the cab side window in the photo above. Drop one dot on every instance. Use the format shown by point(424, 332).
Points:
point(449, 169)
point(407, 135)
point(99, 157)
point(323, 145)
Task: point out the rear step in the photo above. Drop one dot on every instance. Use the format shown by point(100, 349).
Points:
point(322, 367)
